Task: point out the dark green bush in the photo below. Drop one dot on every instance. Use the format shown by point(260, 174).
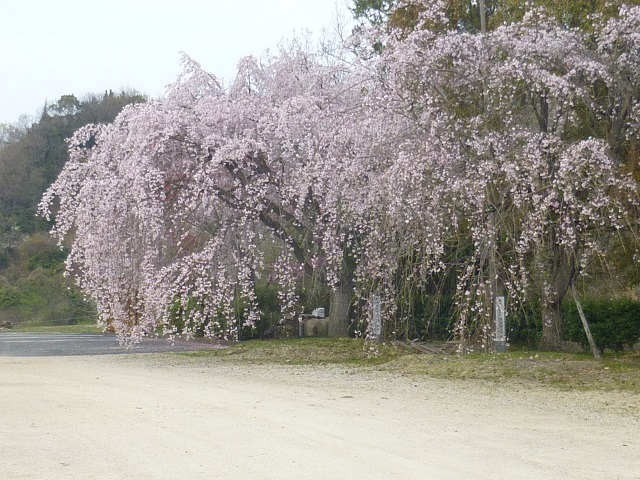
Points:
point(49, 260)
point(267, 302)
point(524, 324)
point(41, 251)
point(433, 317)
point(5, 258)
point(9, 297)
point(614, 324)
point(269, 305)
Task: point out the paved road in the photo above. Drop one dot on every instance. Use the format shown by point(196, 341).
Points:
point(22, 344)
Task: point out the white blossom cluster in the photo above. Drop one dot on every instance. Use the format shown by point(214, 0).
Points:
point(495, 156)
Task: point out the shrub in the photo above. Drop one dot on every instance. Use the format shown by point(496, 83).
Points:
point(614, 324)
point(524, 325)
point(41, 251)
point(433, 317)
point(9, 297)
point(269, 305)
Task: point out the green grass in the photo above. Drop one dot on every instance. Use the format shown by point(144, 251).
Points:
point(559, 370)
point(555, 370)
point(305, 351)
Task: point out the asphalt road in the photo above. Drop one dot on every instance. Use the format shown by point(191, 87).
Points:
point(23, 344)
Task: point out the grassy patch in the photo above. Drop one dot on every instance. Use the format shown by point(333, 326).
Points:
point(305, 351)
point(557, 370)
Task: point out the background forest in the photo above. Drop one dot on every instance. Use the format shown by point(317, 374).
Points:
point(488, 242)
point(32, 153)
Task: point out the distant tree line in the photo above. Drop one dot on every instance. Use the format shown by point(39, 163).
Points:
point(32, 154)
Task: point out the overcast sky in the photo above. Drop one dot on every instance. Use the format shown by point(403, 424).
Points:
point(50, 48)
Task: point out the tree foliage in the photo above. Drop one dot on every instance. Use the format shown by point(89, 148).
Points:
point(465, 15)
point(498, 159)
point(516, 123)
point(195, 181)
point(31, 156)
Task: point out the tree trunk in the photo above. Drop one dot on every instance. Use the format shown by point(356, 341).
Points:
point(558, 278)
point(551, 326)
point(340, 303)
point(339, 308)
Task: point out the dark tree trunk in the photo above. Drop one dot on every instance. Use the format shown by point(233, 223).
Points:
point(558, 278)
point(551, 339)
point(339, 308)
point(340, 304)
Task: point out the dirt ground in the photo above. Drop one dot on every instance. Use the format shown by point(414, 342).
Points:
point(166, 417)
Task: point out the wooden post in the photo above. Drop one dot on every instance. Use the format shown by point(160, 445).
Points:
point(585, 324)
point(376, 327)
point(483, 16)
point(497, 301)
point(500, 324)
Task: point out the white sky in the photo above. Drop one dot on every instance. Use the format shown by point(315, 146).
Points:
point(50, 48)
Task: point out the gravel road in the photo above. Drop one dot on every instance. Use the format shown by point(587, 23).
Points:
point(167, 417)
